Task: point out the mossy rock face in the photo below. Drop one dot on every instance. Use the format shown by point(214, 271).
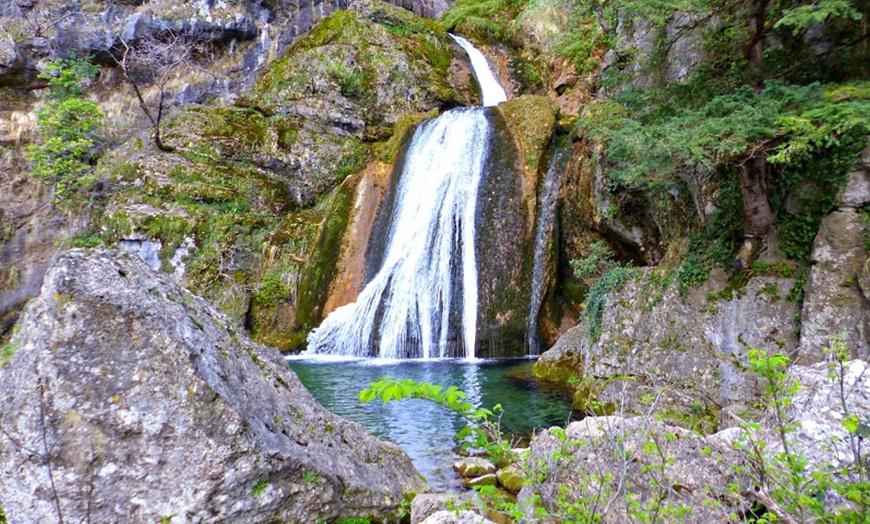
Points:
point(309, 157)
point(310, 118)
point(505, 241)
point(361, 74)
point(226, 229)
point(532, 120)
point(319, 271)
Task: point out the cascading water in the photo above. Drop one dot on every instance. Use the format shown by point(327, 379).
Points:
point(543, 236)
point(422, 302)
point(490, 90)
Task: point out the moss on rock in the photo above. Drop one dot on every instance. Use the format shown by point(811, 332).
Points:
point(319, 270)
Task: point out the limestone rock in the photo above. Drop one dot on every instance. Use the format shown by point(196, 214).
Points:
point(456, 517)
point(127, 384)
point(834, 304)
point(694, 345)
point(639, 37)
point(8, 54)
point(817, 408)
point(473, 467)
point(425, 505)
point(483, 480)
point(698, 469)
point(856, 192)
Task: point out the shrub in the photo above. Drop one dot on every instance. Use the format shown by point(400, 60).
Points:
point(70, 129)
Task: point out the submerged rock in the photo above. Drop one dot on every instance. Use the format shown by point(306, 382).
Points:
point(130, 399)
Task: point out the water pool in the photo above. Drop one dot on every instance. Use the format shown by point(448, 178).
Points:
point(424, 430)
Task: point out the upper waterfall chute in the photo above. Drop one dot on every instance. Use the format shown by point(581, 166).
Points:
point(490, 88)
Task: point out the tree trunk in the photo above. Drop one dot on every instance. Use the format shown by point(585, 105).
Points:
point(753, 173)
point(754, 50)
point(599, 12)
point(758, 218)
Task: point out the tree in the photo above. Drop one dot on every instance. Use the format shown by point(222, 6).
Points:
point(70, 128)
point(712, 122)
point(151, 61)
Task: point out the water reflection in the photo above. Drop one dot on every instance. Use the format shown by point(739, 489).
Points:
point(424, 430)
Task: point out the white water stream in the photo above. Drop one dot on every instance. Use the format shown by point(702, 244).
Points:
point(422, 302)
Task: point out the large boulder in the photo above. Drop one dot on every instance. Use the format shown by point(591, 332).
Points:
point(692, 347)
point(617, 466)
point(130, 399)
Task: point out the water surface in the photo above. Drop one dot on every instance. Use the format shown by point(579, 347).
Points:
point(425, 430)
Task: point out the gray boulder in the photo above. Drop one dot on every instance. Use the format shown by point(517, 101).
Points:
point(130, 399)
point(613, 466)
point(616, 465)
point(691, 348)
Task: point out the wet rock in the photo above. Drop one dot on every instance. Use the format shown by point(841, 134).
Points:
point(124, 382)
point(483, 480)
point(473, 467)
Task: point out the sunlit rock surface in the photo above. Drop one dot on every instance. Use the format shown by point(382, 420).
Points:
point(140, 401)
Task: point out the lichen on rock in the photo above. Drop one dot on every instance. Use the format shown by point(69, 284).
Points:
point(127, 385)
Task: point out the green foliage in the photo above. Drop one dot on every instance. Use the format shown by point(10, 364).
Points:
point(350, 80)
point(803, 17)
point(310, 477)
point(258, 488)
point(273, 286)
point(354, 520)
point(611, 281)
point(482, 431)
point(487, 19)
point(652, 143)
point(8, 350)
point(582, 42)
point(70, 129)
point(782, 472)
point(603, 274)
point(814, 196)
point(716, 242)
point(599, 261)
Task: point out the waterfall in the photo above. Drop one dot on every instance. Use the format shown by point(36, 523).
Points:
point(547, 201)
point(491, 91)
point(422, 301)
